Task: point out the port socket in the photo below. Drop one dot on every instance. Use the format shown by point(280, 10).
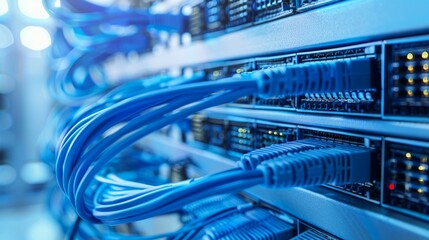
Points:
point(367, 190)
point(407, 177)
point(269, 133)
point(284, 102)
point(407, 79)
point(365, 101)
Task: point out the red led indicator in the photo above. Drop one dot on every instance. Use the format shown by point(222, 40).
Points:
point(391, 186)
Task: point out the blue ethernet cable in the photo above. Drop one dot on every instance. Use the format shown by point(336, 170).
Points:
point(86, 147)
point(58, 120)
point(93, 32)
point(88, 179)
point(83, 13)
point(81, 75)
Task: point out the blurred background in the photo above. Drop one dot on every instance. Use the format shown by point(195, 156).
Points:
point(25, 38)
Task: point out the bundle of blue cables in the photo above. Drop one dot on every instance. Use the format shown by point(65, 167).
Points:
point(94, 140)
point(97, 137)
point(90, 35)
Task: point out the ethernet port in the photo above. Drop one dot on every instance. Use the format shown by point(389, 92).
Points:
point(407, 177)
point(367, 190)
point(240, 137)
point(407, 80)
point(363, 102)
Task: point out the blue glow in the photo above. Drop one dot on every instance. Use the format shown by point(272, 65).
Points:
point(35, 38)
point(4, 7)
point(33, 9)
point(6, 37)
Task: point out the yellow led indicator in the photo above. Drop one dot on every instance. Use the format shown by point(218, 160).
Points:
point(421, 168)
point(216, 73)
point(410, 56)
point(425, 66)
point(425, 55)
point(281, 134)
point(426, 93)
point(425, 80)
point(410, 81)
point(420, 190)
point(410, 68)
point(408, 155)
point(238, 70)
point(270, 132)
point(424, 159)
point(421, 180)
point(410, 93)
point(275, 133)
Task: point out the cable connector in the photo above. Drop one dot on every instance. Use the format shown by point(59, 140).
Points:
point(336, 165)
point(313, 77)
point(250, 161)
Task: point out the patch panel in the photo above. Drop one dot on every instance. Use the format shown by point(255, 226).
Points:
point(407, 177)
point(407, 85)
point(367, 190)
point(366, 101)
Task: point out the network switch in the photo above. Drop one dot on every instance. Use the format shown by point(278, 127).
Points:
point(219, 16)
point(360, 65)
point(407, 85)
point(407, 176)
point(249, 134)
